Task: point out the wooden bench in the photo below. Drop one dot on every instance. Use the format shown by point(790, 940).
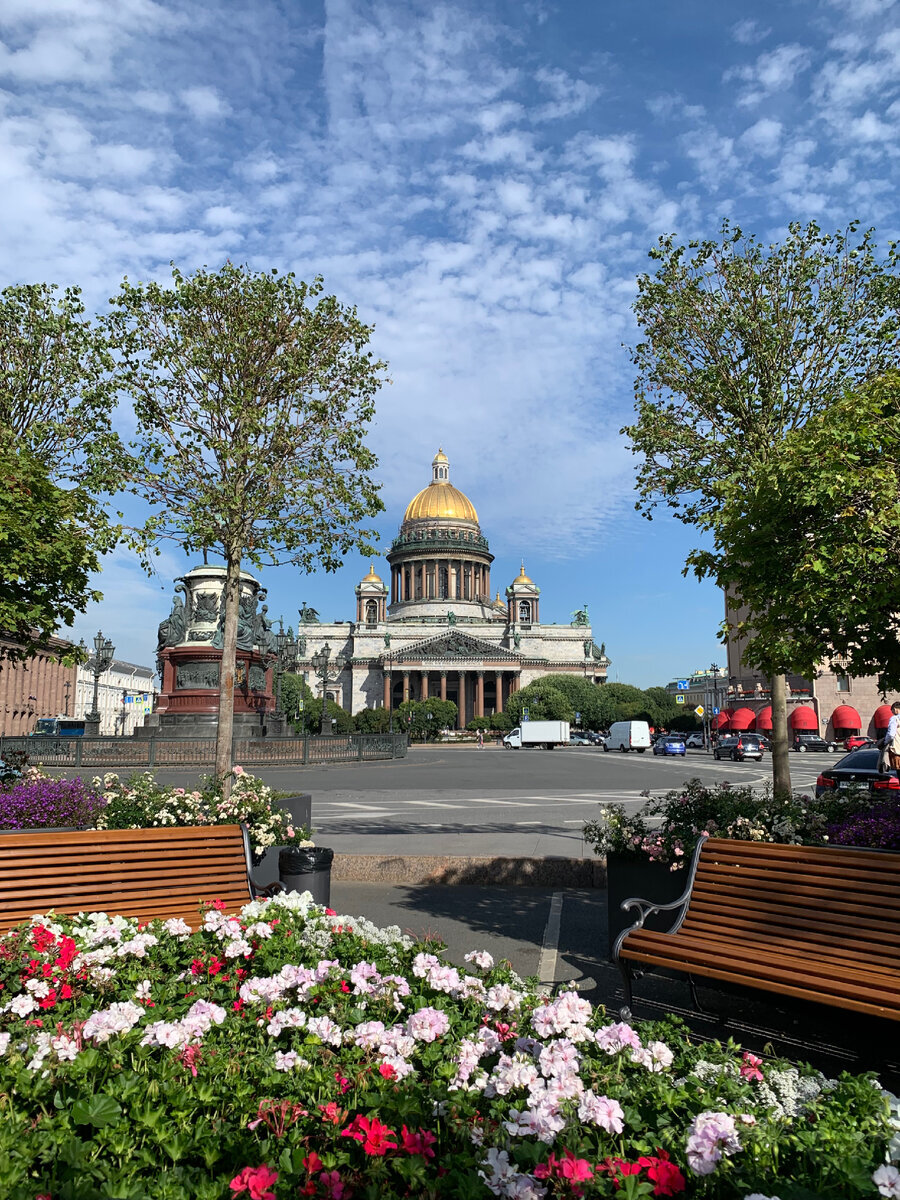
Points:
point(143, 873)
point(819, 923)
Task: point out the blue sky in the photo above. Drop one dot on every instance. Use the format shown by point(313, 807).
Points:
point(483, 179)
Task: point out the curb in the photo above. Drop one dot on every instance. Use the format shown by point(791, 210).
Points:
point(458, 869)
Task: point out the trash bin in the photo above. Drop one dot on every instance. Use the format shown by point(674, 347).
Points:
point(307, 869)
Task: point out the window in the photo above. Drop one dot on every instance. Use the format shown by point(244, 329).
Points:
point(842, 683)
point(444, 585)
point(525, 611)
point(371, 612)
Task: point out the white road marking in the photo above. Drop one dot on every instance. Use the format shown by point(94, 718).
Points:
point(550, 946)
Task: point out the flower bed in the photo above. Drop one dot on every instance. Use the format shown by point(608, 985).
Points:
point(667, 828)
point(39, 802)
point(291, 1052)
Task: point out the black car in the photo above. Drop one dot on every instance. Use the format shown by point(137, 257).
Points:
point(738, 746)
point(859, 768)
point(804, 742)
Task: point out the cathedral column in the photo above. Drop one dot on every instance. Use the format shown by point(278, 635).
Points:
point(443, 685)
point(498, 677)
point(387, 689)
point(479, 694)
point(461, 723)
point(406, 685)
point(423, 686)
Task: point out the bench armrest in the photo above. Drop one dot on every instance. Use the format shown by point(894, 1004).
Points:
point(646, 907)
point(257, 889)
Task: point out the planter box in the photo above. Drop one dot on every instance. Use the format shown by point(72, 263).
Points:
point(628, 877)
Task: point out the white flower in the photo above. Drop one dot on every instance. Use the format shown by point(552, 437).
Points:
point(887, 1180)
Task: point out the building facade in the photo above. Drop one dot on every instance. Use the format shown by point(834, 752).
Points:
point(40, 686)
point(124, 696)
point(831, 703)
point(434, 630)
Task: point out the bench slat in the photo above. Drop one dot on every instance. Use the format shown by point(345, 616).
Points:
point(813, 922)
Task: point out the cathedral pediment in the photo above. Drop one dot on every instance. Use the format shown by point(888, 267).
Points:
point(455, 645)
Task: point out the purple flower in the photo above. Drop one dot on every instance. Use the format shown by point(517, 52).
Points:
point(876, 828)
point(49, 802)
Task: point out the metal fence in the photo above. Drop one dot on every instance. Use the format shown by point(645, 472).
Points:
point(110, 752)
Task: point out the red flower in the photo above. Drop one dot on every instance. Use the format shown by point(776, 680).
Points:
point(330, 912)
point(373, 1135)
point(418, 1141)
point(41, 938)
point(387, 1071)
point(750, 1069)
point(312, 1162)
point(65, 992)
point(344, 1084)
point(254, 1180)
point(331, 1113)
point(220, 905)
point(49, 1001)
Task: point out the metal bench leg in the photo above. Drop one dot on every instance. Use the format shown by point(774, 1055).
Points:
point(698, 1007)
point(625, 1010)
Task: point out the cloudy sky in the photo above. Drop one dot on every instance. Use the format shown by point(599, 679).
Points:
point(483, 178)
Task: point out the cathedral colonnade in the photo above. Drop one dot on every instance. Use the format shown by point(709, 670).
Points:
point(476, 691)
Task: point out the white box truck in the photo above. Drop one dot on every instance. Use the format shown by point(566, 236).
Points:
point(629, 735)
point(545, 734)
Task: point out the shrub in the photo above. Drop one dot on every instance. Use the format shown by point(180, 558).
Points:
point(877, 827)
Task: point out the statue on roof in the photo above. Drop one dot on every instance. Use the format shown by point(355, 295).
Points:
point(308, 616)
point(580, 616)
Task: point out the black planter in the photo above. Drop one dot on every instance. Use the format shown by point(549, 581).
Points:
point(627, 877)
point(307, 870)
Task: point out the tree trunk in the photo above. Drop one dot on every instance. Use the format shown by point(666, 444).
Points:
point(225, 735)
point(781, 769)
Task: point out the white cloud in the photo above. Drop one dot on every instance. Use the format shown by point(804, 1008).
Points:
point(748, 32)
point(764, 137)
point(773, 71)
point(204, 103)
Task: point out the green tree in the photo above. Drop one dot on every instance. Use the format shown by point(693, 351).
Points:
point(373, 720)
point(296, 699)
point(252, 394)
point(583, 696)
point(49, 547)
point(832, 540)
point(501, 721)
point(624, 702)
point(543, 701)
point(422, 719)
point(56, 400)
point(743, 344)
point(482, 723)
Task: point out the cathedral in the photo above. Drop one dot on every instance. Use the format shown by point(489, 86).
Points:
point(433, 630)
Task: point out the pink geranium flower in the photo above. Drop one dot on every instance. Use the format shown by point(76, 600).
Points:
point(750, 1069)
point(254, 1180)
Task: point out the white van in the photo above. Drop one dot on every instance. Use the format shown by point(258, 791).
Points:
point(629, 735)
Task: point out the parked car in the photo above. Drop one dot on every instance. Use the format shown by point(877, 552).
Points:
point(857, 741)
point(811, 742)
point(860, 768)
point(629, 735)
point(8, 773)
point(694, 741)
point(739, 746)
point(669, 744)
point(576, 738)
point(596, 739)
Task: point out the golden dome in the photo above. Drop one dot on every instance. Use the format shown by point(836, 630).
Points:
point(522, 577)
point(371, 577)
point(441, 500)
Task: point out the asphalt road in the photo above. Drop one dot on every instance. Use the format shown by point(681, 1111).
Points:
point(462, 800)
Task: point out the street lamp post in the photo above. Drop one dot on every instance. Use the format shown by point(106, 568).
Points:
point(104, 652)
point(714, 671)
point(328, 670)
point(287, 649)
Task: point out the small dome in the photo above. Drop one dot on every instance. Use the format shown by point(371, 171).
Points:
point(522, 577)
point(372, 577)
point(498, 603)
point(440, 457)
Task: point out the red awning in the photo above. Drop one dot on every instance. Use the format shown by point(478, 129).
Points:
point(721, 721)
point(742, 720)
point(882, 717)
point(846, 717)
point(764, 719)
point(804, 718)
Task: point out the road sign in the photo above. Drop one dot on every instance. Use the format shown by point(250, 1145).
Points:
point(524, 714)
point(715, 712)
point(699, 710)
point(577, 718)
point(682, 685)
point(679, 699)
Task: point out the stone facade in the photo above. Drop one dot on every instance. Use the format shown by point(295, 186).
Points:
point(124, 696)
point(40, 686)
point(435, 631)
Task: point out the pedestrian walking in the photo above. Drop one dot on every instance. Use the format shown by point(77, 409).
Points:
point(891, 757)
point(480, 739)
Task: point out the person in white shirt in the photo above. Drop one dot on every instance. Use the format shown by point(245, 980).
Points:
point(892, 737)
